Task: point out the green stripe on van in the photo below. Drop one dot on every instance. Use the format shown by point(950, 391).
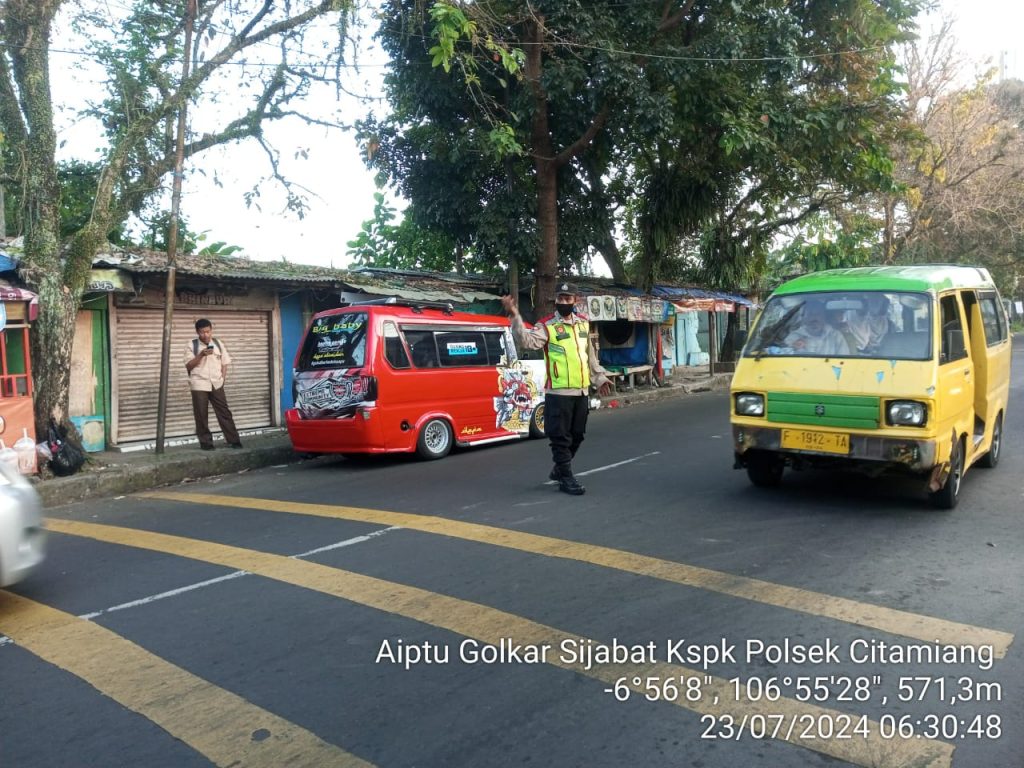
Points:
point(854, 412)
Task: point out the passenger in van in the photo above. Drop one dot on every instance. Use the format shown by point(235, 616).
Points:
point(571, 367)
point(815, 336)
point(424, 355)
point(868, 325)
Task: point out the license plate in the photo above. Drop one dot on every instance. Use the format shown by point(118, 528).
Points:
point(825, 442)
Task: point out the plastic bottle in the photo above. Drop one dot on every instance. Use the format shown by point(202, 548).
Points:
point(26, 450)
point(8, 455)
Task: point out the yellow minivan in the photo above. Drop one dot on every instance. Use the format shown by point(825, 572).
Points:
point(875, 369)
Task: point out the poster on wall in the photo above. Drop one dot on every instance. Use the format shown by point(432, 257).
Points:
point(634, 309)
point(602, 308)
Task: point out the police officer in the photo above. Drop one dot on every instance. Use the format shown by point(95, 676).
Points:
point(571, 368)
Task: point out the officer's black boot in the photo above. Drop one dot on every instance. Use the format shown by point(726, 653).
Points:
point(566, 482)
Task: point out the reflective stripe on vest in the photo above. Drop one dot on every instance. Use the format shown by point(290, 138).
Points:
point(568, 367)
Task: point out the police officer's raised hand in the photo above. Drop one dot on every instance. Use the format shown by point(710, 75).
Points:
point(508, 303)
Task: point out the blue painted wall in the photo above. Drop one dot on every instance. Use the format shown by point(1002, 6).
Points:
point(292, 329)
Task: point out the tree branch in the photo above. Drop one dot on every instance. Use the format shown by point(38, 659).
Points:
point(583, 141)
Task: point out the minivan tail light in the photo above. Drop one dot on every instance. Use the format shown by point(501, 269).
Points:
point(369, 388)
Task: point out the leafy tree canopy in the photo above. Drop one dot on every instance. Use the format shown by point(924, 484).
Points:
point(717, 124)
point(251, 62)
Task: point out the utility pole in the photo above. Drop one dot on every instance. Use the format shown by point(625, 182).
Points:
point(172, 237)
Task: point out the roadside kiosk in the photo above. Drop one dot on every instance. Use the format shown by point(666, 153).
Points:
point(18, 308)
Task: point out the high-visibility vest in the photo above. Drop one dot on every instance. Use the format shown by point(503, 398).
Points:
point(566, 352)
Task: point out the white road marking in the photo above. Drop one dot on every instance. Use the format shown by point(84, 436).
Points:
point(228, 577)
point(348, 542)
point(163, 595)
point(609, 466)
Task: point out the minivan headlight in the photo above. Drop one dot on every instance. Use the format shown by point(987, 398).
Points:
point(907, 413)
point(749, 404)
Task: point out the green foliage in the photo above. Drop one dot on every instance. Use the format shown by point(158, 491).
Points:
point(770, 134)
point(825, 243)
point(722, 129)
point(77, 180)
point(157, 233)
point(375, 240)
point(219, 248)
point(403, 246)
point(450, 26)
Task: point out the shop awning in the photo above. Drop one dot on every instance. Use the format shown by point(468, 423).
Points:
point(10, 292)
point(702, 300)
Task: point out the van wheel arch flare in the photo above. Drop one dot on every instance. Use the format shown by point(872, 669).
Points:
point(435, 439)
point(947, 496)
point(991, 459)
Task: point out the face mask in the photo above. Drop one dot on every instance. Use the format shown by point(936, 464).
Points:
point(564, 309)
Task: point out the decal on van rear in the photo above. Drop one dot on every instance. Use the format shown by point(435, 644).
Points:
point(329, 394)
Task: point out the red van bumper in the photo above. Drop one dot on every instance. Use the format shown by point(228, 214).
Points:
point(361, 433)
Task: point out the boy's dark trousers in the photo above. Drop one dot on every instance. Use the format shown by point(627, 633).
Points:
point(201, 400)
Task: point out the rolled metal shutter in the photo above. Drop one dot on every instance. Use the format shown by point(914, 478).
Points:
point(138, 340)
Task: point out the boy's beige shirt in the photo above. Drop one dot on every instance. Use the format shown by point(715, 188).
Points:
point(209, 374)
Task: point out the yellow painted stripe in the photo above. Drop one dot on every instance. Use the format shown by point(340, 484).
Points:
point(490, 625)
point(917, 626)
point(223, 727)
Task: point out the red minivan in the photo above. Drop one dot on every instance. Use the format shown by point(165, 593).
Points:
point(402, 376)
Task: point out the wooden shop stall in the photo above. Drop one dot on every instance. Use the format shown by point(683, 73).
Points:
point(18, 309)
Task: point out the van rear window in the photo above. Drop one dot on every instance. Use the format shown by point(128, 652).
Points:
point(335, 341)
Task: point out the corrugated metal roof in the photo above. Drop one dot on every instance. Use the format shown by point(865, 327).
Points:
point(210, 265)
point(677, 293)
point(425, 286)
point(406, 284)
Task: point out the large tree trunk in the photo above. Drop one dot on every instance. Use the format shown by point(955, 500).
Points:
point(547, 177)
point(613, 258)
point(28, 23)
point(52, 335)
point(547, 162)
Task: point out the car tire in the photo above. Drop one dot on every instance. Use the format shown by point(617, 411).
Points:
point(435, 440)
point(537, 422)
point(949, 494)
point(765, 469)
point(991, 459)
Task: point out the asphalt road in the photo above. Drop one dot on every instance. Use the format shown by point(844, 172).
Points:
point(342, 613)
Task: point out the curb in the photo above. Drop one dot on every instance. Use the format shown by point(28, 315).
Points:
point(717, 382)
point(116, 479)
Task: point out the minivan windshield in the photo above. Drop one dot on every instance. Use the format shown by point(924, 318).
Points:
point(335, 341)
point(871, 324)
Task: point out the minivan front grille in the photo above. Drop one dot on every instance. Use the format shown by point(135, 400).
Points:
point(851, 411)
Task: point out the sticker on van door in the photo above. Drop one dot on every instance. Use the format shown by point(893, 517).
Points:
point(518, 396)
point(329, 394)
